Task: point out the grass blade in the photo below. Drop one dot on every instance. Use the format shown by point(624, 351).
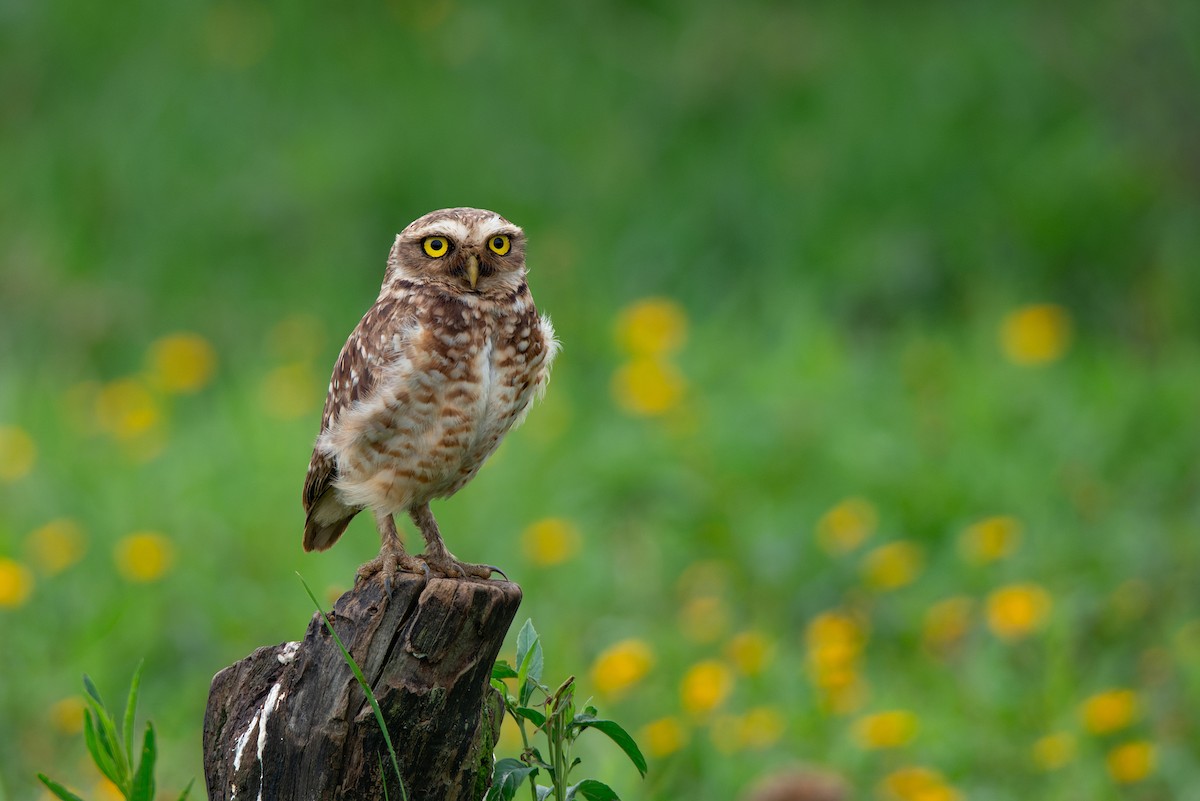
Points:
point(130, 707)
point(56, 788)
point(362, 682)
point(183, 796)
point(101, 754)
point(143, 781)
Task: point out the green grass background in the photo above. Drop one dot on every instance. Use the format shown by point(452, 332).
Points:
point(846, 199)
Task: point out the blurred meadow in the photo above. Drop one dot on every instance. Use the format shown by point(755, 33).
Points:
point(872, 448)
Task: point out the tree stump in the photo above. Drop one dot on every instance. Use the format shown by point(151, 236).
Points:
point(291, 722)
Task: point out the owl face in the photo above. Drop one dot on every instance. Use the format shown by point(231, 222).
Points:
point(468, 250)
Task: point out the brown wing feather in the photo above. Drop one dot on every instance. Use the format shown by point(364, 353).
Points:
point(366, 352)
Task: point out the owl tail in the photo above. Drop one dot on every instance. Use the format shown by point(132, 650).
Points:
point(326, 521)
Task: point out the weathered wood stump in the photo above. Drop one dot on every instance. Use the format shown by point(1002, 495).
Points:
point(290, 722)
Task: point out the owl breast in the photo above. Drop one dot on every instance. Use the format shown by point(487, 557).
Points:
point(460, 378)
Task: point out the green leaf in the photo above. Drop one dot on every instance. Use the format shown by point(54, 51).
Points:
point(503, 670)
point(532, 715)
point(618, 735)
point(101, 755)
point(526, 681)
point(130, 707)
point(57, 789)
point(183, 796)
point(499, 687)
point(592, 790)
point(92, 691)
point(507, 777)
point(366, 688)
point(526, 637)
point(544, 792)
point(143, 781)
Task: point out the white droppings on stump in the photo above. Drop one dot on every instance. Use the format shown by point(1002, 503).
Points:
point(288, 653)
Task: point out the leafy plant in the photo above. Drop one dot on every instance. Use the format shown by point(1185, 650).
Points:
point(366, 688)
point(112, 751)
point(553, 715)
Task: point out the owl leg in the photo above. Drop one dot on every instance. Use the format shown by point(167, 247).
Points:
point(392, 556)
point(437, 556)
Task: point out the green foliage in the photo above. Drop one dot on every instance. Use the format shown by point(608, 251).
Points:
point(112, 748)
point(553, 716)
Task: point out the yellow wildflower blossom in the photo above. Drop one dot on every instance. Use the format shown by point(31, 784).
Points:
point(1131, 762)
point(834, 639)
point(67, 714)
point(550, 541)
point(144, 556)
point(892, 566)
point(16, 583)
point(17, 453)
point(182, 363)
point(846, 526)
point(990, 539)
point(664, 736)
point(1054, 750)
point(56, 546)
point(1015, 611)
point(620, 666)
point(648, 387)
point(1109, 711)
point(705, 686)
point(947, 621)
point(704, 618)
point(891, 729)
point(290, 391)
point(917, 784)
point(126, 409)
point(1036, 334)
point(761, 727)
point(652, 327)
point(750, 652)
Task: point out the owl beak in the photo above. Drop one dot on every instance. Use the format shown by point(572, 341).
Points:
point(473, 269)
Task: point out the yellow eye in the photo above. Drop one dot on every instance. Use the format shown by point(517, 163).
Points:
point(499, 244)
point(435, 246)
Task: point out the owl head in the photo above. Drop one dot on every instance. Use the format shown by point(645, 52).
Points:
point(463, 250)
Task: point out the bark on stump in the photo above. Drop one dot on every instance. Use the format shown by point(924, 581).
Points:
point(290, 721)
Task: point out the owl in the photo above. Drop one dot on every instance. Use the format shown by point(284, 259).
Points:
point(448, 359)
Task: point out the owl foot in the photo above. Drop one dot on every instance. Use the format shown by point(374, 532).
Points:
point(387, 564)
point(449, 567)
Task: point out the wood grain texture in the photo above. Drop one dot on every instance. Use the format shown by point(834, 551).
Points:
point(291, 722)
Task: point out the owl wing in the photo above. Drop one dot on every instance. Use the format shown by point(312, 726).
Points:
point(367, 352)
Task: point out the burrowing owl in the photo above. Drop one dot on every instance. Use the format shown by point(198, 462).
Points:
point(439, 369)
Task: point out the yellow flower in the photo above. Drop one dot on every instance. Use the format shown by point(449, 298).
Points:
point(705, 686)
point(990, 539)
point(550, 541)
point(846, 526)
point(663, 736)
point(704, 618)
point(56, 545)
point(290, 391)
point(834, 639)
point(182, 363)
point(947, 621)
point(917, 784)
point(144, 556)
point(1036, 334)
point(105, 790)
point(761, 727)
point(1109, 711)
point(126, 409)
point(652, 327)
point(17, 453)
point(892, 566)
point(891, 729)
point(750, 652)
point(1131, 762)
point(1054, 750)
point(647, 387)
point(620, 666)
point(67, 714)
point(16, 583)
point(1015, 611)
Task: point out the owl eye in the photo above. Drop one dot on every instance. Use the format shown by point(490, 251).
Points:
point(435, 246)
point(499, 244)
